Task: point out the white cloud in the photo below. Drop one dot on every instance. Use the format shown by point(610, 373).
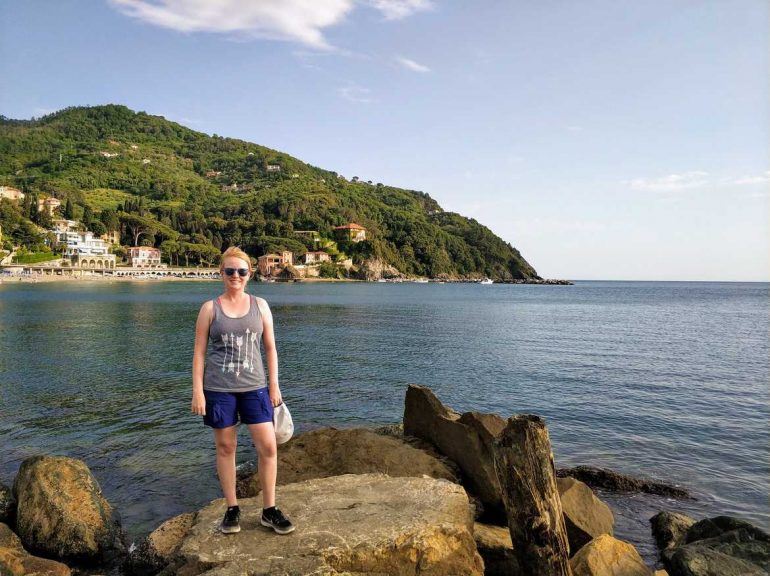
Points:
point(355, 93)
point(293, 20)
point(672, 182)
point(398, 9)
point(747, 180)
point(412, 65)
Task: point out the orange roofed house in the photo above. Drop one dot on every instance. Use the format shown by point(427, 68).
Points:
point(353, 232)
point(271, 264)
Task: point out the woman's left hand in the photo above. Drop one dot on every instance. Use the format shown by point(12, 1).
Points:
point(275, 396)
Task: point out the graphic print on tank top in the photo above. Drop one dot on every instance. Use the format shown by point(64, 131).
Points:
point(233, 359)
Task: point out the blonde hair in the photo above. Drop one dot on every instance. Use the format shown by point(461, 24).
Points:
point(234, 252)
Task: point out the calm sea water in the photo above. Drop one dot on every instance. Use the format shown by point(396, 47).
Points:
point(668, 380)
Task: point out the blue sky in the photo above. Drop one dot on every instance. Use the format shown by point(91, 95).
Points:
point(605, 140)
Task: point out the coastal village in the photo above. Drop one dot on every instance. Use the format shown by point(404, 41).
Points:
point(80, 252)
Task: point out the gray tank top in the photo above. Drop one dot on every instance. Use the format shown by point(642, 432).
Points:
point(233, 360)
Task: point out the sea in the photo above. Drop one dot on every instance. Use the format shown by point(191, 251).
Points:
point(662, 380)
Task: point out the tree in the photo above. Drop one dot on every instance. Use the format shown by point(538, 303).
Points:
point(88, 215)
point(69, 213)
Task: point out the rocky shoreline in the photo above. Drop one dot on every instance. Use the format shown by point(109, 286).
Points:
point(433, 496)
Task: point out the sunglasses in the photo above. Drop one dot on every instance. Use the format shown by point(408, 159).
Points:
point(242, 272)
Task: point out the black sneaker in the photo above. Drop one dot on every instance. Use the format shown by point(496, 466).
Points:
point(274, 518)
point(230, 523)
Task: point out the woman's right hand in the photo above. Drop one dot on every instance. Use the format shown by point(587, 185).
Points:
point(198, 405)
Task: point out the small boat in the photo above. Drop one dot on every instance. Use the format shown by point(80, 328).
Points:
point(487, 281)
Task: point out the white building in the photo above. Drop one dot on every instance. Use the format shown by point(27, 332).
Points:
point(85, 251)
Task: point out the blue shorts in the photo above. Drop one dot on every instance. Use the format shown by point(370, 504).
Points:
point(225, 409)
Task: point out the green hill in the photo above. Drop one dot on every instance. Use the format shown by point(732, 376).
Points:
point(193, 195)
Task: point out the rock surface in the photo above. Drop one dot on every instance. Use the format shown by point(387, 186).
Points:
point(616, 482)
point(585, 516)
point(607, 556)
point(331, 452)
point(494, 545)
point(61, 511)
point(7, 505)
point(351, 524)
point(721, 546)
point(15, 561)
point(160, 548)
point(670, 528)
point(466, 439)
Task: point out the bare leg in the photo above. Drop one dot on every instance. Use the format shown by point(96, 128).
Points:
point(263, 436)
point(226, 441)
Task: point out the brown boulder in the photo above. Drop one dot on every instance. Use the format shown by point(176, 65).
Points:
point(466, 439)
point(61, 511)
point(330, 452)
point(15, 561)
point(606, 556)
point(494, 545)
point(585, 516)
point(161, 546)
point(670, 529)
point(351, 524)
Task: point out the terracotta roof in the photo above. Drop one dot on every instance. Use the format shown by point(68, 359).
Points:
point(351, 226)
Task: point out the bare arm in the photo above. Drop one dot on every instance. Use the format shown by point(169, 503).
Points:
point(199, 357)
point(271, 353)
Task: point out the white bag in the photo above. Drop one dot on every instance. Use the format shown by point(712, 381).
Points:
point(284, 426)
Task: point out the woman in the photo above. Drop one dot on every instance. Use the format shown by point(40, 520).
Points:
point(229, 384)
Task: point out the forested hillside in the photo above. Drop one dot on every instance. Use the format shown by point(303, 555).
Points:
point(192, 195)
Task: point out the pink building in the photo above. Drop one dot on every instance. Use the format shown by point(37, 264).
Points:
point(144, 257)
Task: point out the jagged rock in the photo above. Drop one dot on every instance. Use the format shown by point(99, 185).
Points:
point(670, 528)
point(713, 527)
point(330, 452)
point(721, 546)
point(616, 482)
point(607, 556)
point(585, 516)
point(374, 269)
point(161, 546)
point(7, 505)
point(466, 439)
point(351, 524)
point(494, 545)
point(15, 561)
point(61, 511)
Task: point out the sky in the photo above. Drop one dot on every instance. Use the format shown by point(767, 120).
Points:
point(615, 140)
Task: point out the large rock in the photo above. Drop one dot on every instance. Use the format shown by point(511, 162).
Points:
point(466, 439)
point(15, 561)
point(331, 452)
point(585, 516)
point(670, 529)
point(617, 482)
point(721, 546)
point(494, 545)
point(607, 556)
point(161, 546)
point(351, 524)
point(61, 511)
